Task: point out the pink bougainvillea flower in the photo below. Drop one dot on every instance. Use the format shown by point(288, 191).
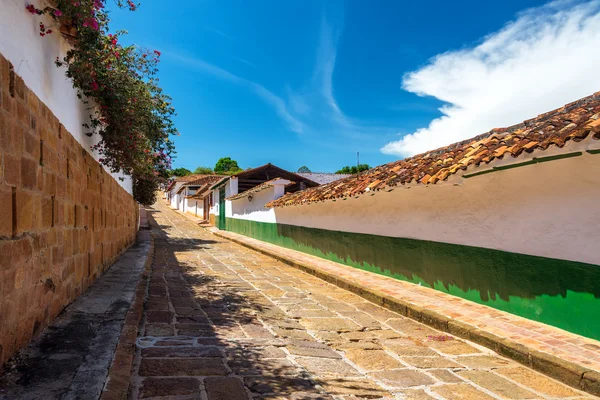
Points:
point(57, 13)
point(31, 8)
point(91, 23)
point(158, 53)
point(94, 86)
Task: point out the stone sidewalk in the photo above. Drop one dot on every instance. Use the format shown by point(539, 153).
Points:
point(71, 357)
point(224, 322)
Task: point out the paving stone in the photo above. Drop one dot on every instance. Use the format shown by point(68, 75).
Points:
point(308, 352)
point(256, 331)
point(326, 367)
point(293, 334)
point(484, 362)
point(402, 378)
point(498, 385)
point(154, 317)
point(431, 362)
point(279, 385)
point(329, 324)
point(311, 313)
point(328, 336)
point(255, 352)
point(224, 388)
point(182, 367)
point(415, 394)
point(273, 366)
point(284, 323)
point(192, 319)
point(445, 375)
point(460, 391)
point(363, 320)
point(411, 328)
point(154, 387)
point(453, 347)
point(337, 306)
point(409, 347)
point(158, 330)
point(537, 382)
point(362, 344)
point(360, 388)
point(182, 352)
point(379, 313)
point(373, 360)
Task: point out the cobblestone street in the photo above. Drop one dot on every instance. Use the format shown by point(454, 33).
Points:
point(222, 322)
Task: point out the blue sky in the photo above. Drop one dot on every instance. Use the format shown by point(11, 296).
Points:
point(312, 82)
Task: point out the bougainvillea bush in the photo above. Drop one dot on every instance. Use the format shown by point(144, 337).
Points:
point(128, 109)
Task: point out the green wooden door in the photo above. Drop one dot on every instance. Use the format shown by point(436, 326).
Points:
point(222, 208)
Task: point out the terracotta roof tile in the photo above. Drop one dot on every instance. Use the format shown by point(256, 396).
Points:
point(575, 121)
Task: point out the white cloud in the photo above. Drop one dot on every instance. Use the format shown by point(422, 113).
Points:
point(547, 57)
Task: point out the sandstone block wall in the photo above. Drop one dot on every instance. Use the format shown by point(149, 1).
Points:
point(63, 218)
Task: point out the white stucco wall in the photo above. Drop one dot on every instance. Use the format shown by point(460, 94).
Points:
point(194, 207)
point(255, 210)
point(33, 58)
point(231, 188)
point(548, 209)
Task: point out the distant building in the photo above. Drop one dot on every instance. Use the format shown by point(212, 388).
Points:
point(323, 177)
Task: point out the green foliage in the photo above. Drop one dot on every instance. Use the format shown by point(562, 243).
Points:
point(354, 169)
point(227, 166)
point(127, 108)
point(304, 169)
point(180, 172)
point(203, 170)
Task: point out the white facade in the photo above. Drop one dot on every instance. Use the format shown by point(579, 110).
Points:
point(33, 59)
point(231, 188)
point(548, 209)
point(255, 209)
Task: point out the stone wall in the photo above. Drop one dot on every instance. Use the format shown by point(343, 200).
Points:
point(63, 218)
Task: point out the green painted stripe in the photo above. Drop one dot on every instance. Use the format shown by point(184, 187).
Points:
point(558, 157)
point(562, 293)
point(511, 166)
point(530, 162)
point(594, 151)
point(487, 171)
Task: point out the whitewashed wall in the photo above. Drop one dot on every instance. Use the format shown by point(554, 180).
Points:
point(255, 210)
point(549, 209)
point(33, 58)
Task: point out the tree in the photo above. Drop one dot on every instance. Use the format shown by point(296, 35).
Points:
point(355, 169)
point(203, 170)
point(227, 166)
point(181, 172)
point(304, 169)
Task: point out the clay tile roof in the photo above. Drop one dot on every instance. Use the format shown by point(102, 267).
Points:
point(258, 188)
point(575, 121)
point(200, 180)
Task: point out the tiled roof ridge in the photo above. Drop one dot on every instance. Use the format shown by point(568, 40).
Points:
point(571, 122)
point(321, 173)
